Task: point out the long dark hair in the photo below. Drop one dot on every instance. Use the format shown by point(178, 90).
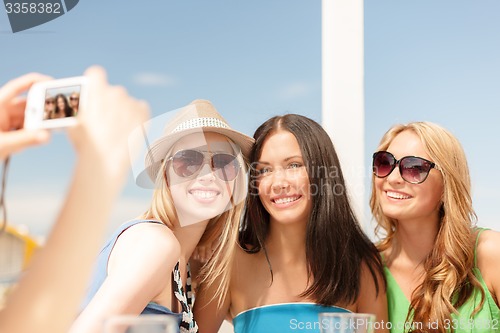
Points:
point(68, 111)
point(336, 246)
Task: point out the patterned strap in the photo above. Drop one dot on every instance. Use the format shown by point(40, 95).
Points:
point(189, 290)
point(188, 324)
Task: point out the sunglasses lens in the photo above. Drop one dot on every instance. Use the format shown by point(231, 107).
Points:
point(383, 164)
point(414, 169)
point(226, 166)
point(187, 162)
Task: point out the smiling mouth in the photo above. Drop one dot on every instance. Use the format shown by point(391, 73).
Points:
point(285, 200)
point(204, 194)
point(398, 196)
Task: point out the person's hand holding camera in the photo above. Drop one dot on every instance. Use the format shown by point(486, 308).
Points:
point(48, 296)
point(12, 105)
point(103, 129)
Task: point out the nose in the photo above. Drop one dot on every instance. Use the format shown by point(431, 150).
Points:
point(395, 176)
point(279, 179)
point(206, 173)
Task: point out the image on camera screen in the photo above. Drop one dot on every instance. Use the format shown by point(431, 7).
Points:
point(61, 102)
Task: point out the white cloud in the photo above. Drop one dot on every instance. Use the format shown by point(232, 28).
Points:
point(294, 90)
point(154, 79)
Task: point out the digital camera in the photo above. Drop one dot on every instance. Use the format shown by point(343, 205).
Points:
point(56, 103)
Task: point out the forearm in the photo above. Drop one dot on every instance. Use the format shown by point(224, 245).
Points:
point(58, 276)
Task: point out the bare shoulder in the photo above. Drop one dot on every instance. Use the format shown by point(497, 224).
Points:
point(372, 278)
point(139, 270)
point(488, 247)
point(372, 296)
point(488, 260)
point(153, 241)
point(147, 235)
point(250, 281)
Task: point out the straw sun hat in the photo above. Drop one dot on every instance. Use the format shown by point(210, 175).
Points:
point(199, 115)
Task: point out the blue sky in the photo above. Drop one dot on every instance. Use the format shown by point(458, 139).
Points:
point(424, 60)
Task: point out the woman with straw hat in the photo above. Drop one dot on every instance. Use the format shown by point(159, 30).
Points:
point(199, 171)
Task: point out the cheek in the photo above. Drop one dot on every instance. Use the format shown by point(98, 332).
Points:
point(173, 180)
point(377, 185)
point(300, 181)
point(432, 197)
point(264, 187)
point(378, 192)
point(433, 189)
point(175, 193)
point(304, 187)
point(229, 187)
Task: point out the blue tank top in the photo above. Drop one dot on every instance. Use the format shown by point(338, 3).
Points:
point(185, 319)
point(284, 317)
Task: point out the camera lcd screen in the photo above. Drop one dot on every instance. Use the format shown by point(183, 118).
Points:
point(62, 102)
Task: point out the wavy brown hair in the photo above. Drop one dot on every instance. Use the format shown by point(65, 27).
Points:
point(449, 280)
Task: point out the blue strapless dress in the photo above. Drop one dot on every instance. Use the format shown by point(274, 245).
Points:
point(285, 317)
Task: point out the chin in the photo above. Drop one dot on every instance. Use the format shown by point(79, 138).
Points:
point(290, 219)
point(393, 214)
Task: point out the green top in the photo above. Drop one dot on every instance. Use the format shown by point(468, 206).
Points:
point(486, 320)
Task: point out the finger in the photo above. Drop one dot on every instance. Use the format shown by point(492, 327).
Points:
point(97, 87)
point(14, 117)
point(14, 141)
point(97, 75)
point(17, 122)
point(18, 107)
point(18, 85)
point(143, 110)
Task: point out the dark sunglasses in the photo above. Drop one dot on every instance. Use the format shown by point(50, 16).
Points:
point(74, 98)
point(50, 102)
point(188, 162)
point(412, 169)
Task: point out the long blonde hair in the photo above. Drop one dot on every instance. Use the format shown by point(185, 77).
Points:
point(449, 280)
point(221, 233)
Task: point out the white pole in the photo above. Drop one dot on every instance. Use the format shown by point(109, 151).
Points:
point(343, 91)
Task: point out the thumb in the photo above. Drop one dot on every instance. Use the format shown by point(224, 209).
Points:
point(11, 142)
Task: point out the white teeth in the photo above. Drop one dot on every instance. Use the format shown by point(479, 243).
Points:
point(285, 200)
point(395, 195)
point(204, 194)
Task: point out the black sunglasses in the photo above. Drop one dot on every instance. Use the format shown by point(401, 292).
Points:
point(188, 162)
point(412, 169)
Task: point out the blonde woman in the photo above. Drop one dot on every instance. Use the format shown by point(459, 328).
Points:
point(200, 178)
point(74, 102)
point(443, 273)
